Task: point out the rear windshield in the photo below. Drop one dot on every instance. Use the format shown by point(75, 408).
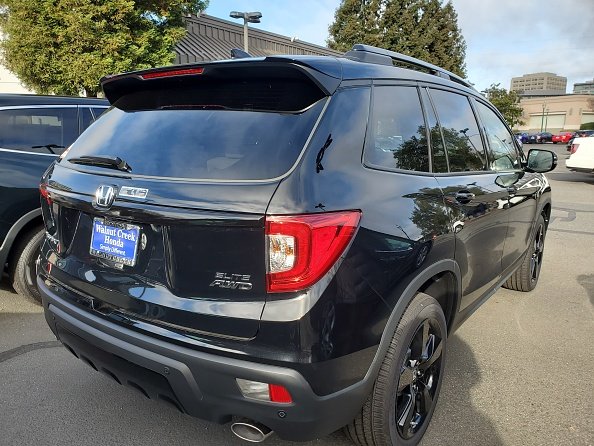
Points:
point(200, 143)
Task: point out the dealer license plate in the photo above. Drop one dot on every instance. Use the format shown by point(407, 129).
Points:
point(115, 241)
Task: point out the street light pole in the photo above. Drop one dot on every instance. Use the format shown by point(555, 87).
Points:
point(544, 104)
point(245, 35)
point(248, 17)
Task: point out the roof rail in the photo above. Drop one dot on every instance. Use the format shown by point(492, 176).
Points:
point(372, 54)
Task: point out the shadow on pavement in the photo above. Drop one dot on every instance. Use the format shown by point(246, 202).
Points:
point(5, 283)
point(573, 177)
point(457, 421)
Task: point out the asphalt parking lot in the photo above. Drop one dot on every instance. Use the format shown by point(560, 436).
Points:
point(519, 372)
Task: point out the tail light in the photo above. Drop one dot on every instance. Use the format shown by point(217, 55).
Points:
point(302, 248)
point(574, 148)
point(172, 73)
point(47, 211)
point(45, 194)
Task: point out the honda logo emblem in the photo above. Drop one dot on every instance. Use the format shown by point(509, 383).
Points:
point(105, 196)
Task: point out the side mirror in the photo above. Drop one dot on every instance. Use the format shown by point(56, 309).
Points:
point(541, 161)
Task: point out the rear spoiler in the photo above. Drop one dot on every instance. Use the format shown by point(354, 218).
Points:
point(324, 73)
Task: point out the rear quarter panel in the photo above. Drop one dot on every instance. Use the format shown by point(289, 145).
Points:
point(20, 173)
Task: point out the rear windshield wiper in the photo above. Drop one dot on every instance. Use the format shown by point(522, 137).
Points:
point(110, 162)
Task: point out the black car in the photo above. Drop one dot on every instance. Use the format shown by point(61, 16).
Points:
point(541, 138)
point(34, 130)
point(286, 243)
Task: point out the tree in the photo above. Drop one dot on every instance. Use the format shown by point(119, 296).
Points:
point(355, 21)
point(425, 29)
point(66, 46)
point(508, 104)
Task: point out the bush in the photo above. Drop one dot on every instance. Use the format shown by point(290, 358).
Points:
point(587, 126)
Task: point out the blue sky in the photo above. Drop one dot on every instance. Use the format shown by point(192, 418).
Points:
point(504, 38)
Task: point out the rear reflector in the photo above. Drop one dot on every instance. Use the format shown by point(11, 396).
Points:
point(171, 73)
point(264, 391)
point(302, 248)
point(279, 394)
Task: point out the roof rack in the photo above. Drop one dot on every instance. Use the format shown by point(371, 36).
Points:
point(372, 54)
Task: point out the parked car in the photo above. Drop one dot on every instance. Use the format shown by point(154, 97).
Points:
point(34, 130)
point(228, 240)
point(562, 137)
point(541, 138)
point(523, 137)
point(579, 134)
point(582, 155)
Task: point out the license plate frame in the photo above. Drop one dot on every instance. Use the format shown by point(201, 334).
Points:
point(117, 241)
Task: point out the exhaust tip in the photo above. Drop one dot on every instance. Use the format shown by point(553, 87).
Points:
point(251, 431)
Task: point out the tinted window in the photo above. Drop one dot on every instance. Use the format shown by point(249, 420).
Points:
point(397, 137)
point(440, 161)
point(199, 143)
point(43, 130)
point(90, 115)
point(501, 142)
point(460, 131)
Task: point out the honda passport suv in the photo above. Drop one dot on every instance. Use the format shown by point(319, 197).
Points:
point(285, 243)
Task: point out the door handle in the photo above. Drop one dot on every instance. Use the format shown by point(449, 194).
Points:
point(464, 196)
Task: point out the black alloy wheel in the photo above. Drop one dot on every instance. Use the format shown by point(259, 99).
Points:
point(404, 396)
point(537, 253)
point(419, 375)
point(526, 276)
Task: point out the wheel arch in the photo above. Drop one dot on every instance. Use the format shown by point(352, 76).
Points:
point(23, 225)
point(430, 281)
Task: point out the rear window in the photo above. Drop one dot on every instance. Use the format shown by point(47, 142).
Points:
point(202, 142)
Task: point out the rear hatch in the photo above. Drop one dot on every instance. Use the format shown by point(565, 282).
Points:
point(156, 213)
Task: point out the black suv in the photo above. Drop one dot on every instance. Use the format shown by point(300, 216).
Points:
point(34, 130)
point(287, 242)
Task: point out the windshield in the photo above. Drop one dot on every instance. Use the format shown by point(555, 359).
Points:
point(200, 143)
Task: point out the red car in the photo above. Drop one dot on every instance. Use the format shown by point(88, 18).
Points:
point(562, 137)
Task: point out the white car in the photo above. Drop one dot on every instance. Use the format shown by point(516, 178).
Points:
point(582, 155)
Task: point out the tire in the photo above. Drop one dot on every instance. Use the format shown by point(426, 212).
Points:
point(408, 382)
point(22, 265)
point(526, 276)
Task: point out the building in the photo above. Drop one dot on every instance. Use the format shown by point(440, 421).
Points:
point(211, 38)
point(9, 83)
point(584, 87)
point(553, 114)
point(539, 84)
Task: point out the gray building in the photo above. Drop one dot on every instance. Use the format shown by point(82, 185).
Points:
point(539, 84)
point(211, 38)
point(584, 87)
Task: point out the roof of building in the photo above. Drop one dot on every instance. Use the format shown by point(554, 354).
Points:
point(210, 38)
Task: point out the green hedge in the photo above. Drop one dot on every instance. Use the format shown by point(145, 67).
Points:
point(587, 126)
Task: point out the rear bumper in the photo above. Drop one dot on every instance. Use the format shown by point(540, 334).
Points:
point(578, 164)
point(197, 383)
